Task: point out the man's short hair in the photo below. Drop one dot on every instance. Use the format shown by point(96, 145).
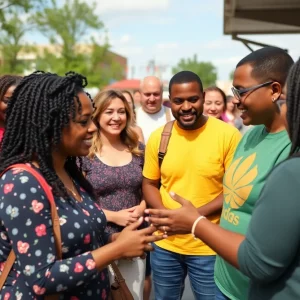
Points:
point(185, 77)
point(269, 63)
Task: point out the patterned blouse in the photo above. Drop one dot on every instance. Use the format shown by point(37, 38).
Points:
point(116, 188)
point(26, 227)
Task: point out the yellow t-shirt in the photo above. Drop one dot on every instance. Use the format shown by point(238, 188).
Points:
point(193, 168)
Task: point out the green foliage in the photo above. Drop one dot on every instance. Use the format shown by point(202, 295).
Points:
point(23, 4)
point(13, 28)
point(97, 65)
point(94, 61)
point(231, 75)
point(67, 25)
point(68, 28)
point(205, 70)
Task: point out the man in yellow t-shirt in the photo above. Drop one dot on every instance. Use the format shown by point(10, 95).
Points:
point(199, 151)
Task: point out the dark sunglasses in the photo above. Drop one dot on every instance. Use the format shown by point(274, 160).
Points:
point(238, 93)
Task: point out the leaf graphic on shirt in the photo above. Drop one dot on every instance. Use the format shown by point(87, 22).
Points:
point(238, 181)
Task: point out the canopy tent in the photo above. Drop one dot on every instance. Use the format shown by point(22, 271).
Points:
point(126, 84)
point(260, 17)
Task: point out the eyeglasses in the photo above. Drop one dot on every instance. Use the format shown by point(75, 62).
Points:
point(238, 93)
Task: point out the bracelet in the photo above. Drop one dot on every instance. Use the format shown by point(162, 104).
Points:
point(195, 224)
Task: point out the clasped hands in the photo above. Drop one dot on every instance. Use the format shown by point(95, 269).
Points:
point(169, 222)
point(177, 221)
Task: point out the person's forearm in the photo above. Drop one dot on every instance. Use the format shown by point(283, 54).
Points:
point(224, 242)
point(110, 215)
point(152, 196)
point(213, 207)
point(105, 255)
point(112, 237)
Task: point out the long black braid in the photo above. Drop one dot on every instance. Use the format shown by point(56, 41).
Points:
point(293, 107)
point(41, 106)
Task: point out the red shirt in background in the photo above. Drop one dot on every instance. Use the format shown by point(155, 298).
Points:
point(1, 133)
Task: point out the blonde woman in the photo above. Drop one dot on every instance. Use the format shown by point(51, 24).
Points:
point(114, 168)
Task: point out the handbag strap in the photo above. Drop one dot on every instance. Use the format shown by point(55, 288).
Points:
point(7, 267)
point(118, 274)
point(54, 216)
point(168, 114)
point(164, 141)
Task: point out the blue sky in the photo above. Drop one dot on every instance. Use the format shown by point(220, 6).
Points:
point(167, 30)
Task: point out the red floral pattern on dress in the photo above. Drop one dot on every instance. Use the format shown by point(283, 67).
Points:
point(25, 225)
point(40, 230)
point(37, 206)
point(22, 247)
point(38, 290)
point(8, 188)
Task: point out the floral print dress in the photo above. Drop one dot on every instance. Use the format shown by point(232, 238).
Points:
point(26, 227)
point(116, 188)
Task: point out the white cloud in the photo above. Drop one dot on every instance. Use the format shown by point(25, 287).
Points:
point(129, 50)
point(166, 46)
point(160, 20)
point(110, 6)
point(233, 60)
point(125, 39)
point(220, 43)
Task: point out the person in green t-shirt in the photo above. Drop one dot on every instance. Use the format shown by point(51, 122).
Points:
point(258, 82)
point(260, 149)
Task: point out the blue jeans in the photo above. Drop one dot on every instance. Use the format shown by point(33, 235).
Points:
point(169, 270)
point(220, 295)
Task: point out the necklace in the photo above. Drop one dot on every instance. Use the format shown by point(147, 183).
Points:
point(73, 190)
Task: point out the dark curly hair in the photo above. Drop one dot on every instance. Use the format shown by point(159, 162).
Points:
point(6, 81)
point(293, 108)
point(41, 106)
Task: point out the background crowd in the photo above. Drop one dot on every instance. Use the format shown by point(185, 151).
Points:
point(227, 182)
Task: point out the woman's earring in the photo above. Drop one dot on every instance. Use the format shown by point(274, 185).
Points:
point(273, 100)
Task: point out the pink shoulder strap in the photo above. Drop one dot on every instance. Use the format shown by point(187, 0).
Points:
point(55, 222)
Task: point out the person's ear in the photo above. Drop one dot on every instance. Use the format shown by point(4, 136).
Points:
point(276, 91)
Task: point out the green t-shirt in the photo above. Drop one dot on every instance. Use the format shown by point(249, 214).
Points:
point(257, 153)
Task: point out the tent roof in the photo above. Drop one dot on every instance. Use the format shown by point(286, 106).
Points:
point(261, 17)
point(126, 84)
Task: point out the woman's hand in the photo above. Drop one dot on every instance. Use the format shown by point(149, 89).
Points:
point(133, 242)
point(177, 221)
point(138, 210)
point(124, 217)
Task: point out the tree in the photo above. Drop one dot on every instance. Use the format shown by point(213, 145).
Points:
point(73, 52)
point(12, 30)
point(205, 70)
point(231, 74)
point(10, 40)
point(67, 25)
point(6, 4)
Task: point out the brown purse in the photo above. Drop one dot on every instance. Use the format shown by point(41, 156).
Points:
point(119, 288)
point(55, 222)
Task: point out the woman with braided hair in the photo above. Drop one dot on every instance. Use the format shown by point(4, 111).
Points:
point(49, 125)
point(8, 84)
